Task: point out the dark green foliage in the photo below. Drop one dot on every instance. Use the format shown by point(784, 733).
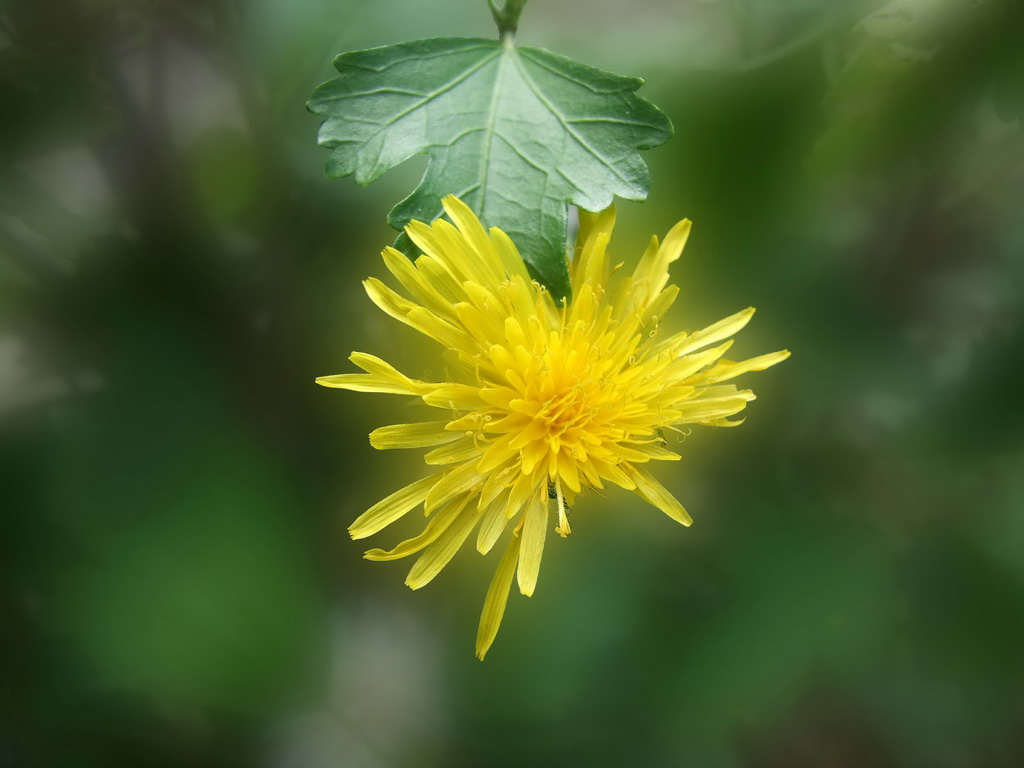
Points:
point(176, 584)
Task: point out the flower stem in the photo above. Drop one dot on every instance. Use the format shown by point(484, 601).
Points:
point(507, 18)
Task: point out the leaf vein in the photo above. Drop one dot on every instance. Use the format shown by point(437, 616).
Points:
point(557, 114)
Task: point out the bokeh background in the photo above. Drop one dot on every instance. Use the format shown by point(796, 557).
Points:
point(177, 585)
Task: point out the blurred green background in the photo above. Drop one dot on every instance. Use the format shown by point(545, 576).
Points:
point(177, 584)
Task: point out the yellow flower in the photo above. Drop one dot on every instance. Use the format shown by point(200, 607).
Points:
point(543, 400)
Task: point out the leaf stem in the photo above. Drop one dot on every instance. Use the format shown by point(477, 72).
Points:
point(507, 18)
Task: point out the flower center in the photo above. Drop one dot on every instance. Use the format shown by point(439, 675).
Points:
point(565, 411)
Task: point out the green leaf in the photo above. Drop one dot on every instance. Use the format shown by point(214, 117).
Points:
point(517, 133)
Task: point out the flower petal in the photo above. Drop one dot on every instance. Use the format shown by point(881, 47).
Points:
point(535, 528)
point(458, 397)
point(695, 411)
point(475, 236)
point(508, 254)
point(363, 382)
point(655, 494)
point(452, 483)
point(415, 283)
point(438, 524)
point(491, 526)
point(497, 597)
point(389, 509)
point(419, 435)
point(651, 273)
point(461, 450)
point(726, 369)
point(443, 549)
point(723, 329)
point(379, 377)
